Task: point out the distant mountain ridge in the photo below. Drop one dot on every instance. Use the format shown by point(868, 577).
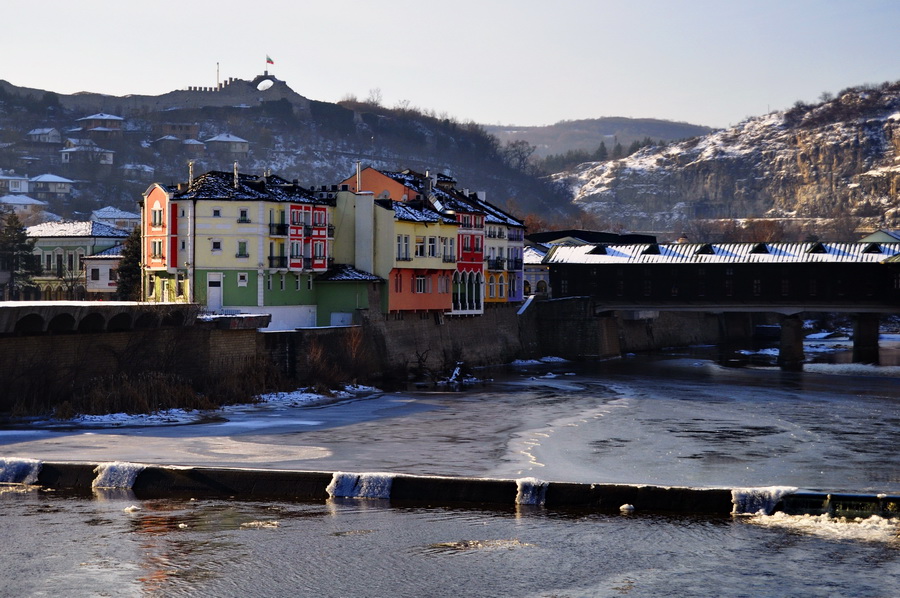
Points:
point(836, 159)
point(587, 134)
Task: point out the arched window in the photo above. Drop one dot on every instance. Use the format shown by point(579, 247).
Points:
point(501, 287)
point(527, 288)
point(491, 286)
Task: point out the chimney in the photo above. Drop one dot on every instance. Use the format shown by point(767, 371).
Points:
point(235, 174)
point(190, 172)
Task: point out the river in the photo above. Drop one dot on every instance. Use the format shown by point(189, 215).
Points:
point(679, 418)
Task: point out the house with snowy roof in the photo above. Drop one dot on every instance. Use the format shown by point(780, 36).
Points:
point(101, 126)
point(238, 243)
point(12, 183)
point(44, 135)
point(62, 247)
point(406, 243)
point(117, 217)
point(228, 144)
point(28, 209)
point(48, 187)
point(489, 242)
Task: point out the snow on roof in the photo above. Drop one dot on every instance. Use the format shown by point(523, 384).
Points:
point(111, 212)
point(532, 255)
point(50, 178)
point(227, 137)
point(40, 131)
point(101, 116)
point(89, 228)
point(114, 252)
point(219, 185)
point(721, 253)
point(413, 211)
point(346, 273)
point(192, 142)
point(21, 200)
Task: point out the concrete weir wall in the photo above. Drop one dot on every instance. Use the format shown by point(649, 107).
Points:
point(148, 482)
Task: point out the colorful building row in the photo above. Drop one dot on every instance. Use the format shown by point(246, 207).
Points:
point(239, 243)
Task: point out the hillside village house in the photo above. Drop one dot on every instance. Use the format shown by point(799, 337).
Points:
point(484, 232)
point(237, 243)
point(62, 248)
point(28, 209)
point(44, 135)
point(101, 126)
point(231, 145)
point(12, 183)
point(47, 187)
point(117, 218)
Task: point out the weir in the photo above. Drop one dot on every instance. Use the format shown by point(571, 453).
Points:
point(150, 481)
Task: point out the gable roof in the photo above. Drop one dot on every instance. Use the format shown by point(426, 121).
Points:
point(88, 228)
point(346, 273)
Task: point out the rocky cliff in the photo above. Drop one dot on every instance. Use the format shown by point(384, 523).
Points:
point(838, 158)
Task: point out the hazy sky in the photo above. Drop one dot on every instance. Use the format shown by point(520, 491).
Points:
point(524, 62)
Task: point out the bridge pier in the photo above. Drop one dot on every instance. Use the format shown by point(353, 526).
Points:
point(790, 351)
point(865, 338)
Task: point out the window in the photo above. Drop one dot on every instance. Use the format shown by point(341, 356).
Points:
point(398, 283)
point(95, 273)
point(421, 284)
point(48, 262)
point(242, 249)
point(432, 246)
point(179, 285)
point(243, 215)
point(281, 283)
point(477, 243)
point(151, 286)
point(296, 250)
point(420, 246)
point(216, 245)
point(70, 261)
point(268, 282)
point(501, 287)
point(467, 242)
point(402, 247)
point(319, 250)
point(217, 212)
point(156, 249)
point(156, 217)
point(491, 287)
point(242, 279)
point(113, 275)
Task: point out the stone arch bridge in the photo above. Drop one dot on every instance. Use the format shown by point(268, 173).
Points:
point(27, 318)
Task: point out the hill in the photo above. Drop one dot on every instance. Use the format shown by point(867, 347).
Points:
point(813, 166)
point(316, 143)
point(587, 134)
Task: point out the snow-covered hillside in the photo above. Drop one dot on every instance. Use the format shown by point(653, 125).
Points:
point(839, 157)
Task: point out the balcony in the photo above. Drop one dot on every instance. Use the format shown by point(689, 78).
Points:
point(514, 264)
point(404, 258)
point(278, 261)
point(330, 231)
point(496, 264)
point(243, 220)
point(278, 230)
point(448, 258)
point(241, 255)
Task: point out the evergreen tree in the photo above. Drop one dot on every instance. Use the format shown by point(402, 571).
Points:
point(17, 255)
point(618, 151)
point(602, 154)
point(128, 286)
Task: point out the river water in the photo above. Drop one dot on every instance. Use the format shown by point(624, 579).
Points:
point(674, 419)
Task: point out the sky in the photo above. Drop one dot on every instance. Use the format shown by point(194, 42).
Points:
point(494, 62)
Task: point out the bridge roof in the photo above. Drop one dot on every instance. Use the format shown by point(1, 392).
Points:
point(722, 253)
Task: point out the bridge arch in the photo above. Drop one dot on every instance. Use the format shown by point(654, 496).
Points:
point(93, 322)
point(30, 324)
point(120, 322)
point(63, 322)
point(146, 320)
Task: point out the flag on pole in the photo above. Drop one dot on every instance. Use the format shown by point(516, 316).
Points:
point(269, 60)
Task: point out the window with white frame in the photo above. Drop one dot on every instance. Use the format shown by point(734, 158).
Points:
point(242, 279)
point(432, 246)
point(216, 245)
point(420, 246)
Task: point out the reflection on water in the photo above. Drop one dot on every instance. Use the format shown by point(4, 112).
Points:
point(76, 546)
